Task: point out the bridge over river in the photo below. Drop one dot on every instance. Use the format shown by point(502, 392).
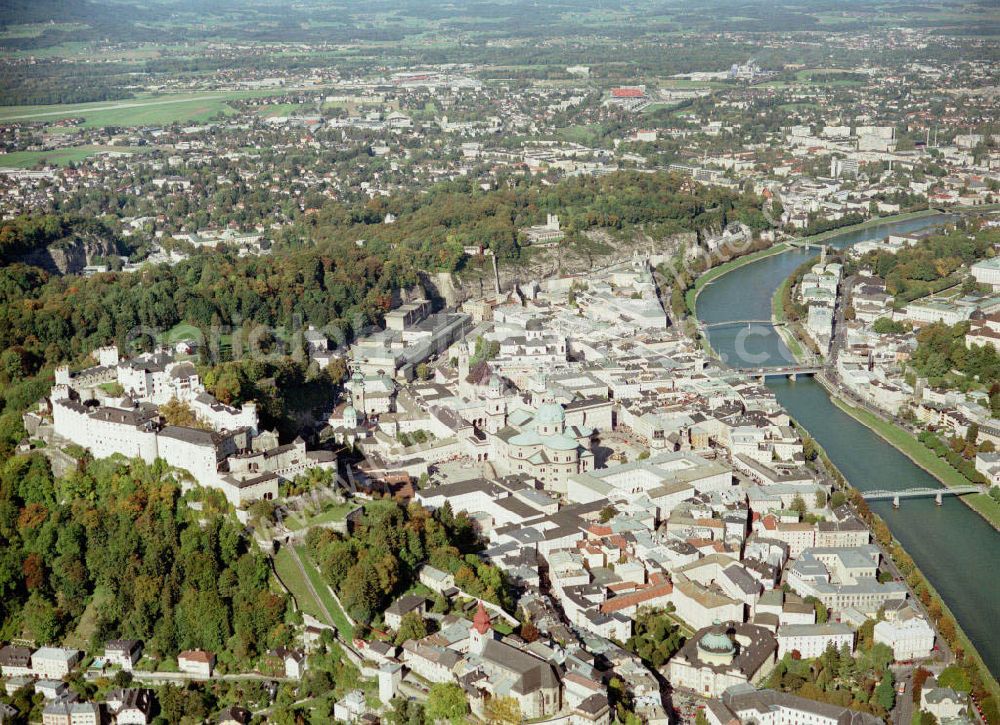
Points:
point(880, 494)
point(733, 323)
point(953, 545)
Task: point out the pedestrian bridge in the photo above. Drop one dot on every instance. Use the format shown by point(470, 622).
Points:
point(803, 243)
point(937, 493)
point(731, 323)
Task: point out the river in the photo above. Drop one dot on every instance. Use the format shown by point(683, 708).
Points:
point(954, 547)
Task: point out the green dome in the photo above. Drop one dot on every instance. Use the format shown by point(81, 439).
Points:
point(716, 641)
point(550, 414)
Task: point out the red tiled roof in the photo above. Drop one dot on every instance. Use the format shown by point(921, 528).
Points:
point(481, 622)
point(630, 600)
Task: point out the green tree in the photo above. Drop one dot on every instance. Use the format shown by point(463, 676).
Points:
point(956, 678)
point(179, 412)
point(446, 703)
point(504, 711)
point(412, 626)
point(799, 504)
point(405, 712)
point(40, 618)
point(885, 693)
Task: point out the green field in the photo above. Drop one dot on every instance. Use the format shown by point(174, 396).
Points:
point(814, 76)
point(180, 332)
point(34, 30)
point(337, 512)
point(87, 625)
point(62, 157)
point(291, 577)
point(275, 110)
point(659, 106)
point(140, 111)
point(587, 135)
point(340, 620)
point(788, 336)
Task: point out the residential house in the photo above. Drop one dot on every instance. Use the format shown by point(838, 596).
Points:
point(196, 662)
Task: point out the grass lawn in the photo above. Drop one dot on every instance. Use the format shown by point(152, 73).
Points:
point(923, 457)
point(340, 620)
point(337, 512)
point(62, 157)
point(139, 111)
point(274, 110)
point(34, 30)
point(778, 303)
point(88, 621)
point(791, 342)
point(796, 106)
point(658, 106)
point(778, 314)
point(180, 331)
point(587, 135)
point(291, 577)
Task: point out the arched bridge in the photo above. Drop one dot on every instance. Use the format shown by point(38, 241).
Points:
point(937, 493)
point(782, 370)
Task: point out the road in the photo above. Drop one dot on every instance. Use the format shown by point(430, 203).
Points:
point(902, 713)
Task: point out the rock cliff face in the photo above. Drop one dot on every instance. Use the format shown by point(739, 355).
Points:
point(71, 255)
point(478, 282)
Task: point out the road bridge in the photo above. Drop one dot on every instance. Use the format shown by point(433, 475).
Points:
point(790, 371)
point(923, 492)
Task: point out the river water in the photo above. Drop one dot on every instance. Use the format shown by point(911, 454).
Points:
point(954, 547)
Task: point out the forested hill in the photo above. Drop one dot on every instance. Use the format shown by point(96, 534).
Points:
point(436, 225)
point(325, 278)
point(113, 550)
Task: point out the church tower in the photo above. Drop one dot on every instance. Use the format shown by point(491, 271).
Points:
point(481, 631)
point(358, 392)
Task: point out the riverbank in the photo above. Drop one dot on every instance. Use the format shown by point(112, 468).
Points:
point(903, 441)
point(915, 579)
point(691, 296)
point(875, 222)
point(781, 325)
point(958, 552)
